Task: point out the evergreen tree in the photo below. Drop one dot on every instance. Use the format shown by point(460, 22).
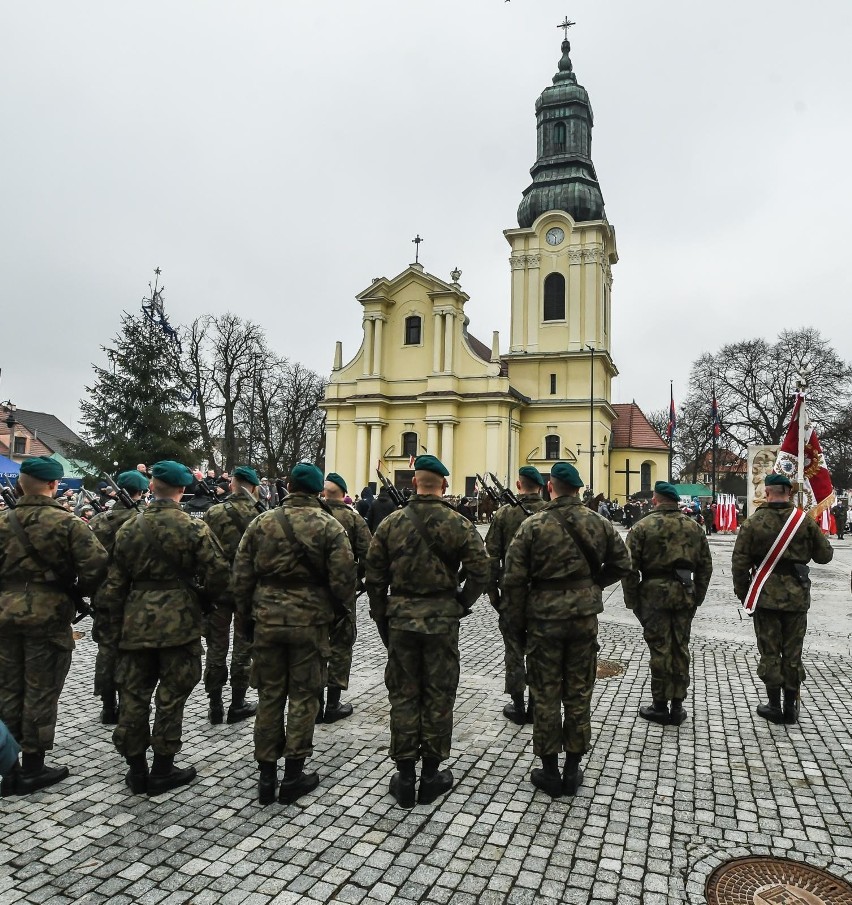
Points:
point(136, 411)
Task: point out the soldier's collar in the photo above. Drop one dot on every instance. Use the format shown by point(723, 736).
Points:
point(37, 499)
point(164, 504)
point(298, 498)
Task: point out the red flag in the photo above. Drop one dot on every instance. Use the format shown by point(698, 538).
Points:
point(717, 422)
point(670, 428)
point(818, 490)
point(411, 461)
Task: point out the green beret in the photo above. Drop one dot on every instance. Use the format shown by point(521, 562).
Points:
point(565, 472)
point(308, 477)
point(430, 463)
point(43, 468)
point(134, 481)
point(774, 479)
point(246, 473)
point(531, 473)
point(663, 488)
point(173, 473)
point(335, 478)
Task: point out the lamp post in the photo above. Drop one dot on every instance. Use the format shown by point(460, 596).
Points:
point(591, 451)
point(10, 423)
point(591, 418)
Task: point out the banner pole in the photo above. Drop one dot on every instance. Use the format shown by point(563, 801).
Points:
point(800, 471)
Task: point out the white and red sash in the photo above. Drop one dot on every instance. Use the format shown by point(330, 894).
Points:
point(776, 551)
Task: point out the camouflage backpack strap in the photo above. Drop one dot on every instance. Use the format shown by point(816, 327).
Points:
point(299, 548)
point(592, 559)
point(417, 521)
point(18, 530)
point(234, 516)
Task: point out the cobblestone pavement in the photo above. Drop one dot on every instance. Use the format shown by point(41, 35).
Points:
point(658, 810)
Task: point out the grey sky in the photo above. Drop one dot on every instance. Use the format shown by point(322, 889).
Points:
point(273, 157)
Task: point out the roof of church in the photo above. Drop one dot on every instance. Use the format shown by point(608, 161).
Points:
point(632, 430)
point(482, 351)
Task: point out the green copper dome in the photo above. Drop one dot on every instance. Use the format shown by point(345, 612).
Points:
point(564, 177)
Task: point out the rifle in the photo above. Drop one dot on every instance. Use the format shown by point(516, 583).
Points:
point(7, 490)
point(91, 501)
point(490, 491)
point(122, 495)
point(398, 499)
point(257, 503)
point(507, 495)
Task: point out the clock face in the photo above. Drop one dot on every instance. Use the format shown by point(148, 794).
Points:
point(555, 236)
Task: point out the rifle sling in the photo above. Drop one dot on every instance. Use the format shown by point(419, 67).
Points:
point(589, 555)
point(50, 575)
point(416, 520)
point(234, 516)
point(299, 548)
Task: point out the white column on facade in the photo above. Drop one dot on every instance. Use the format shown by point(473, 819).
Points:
point(375, 450)
point(447, 428)
point(377, 346)
point(432, 439)
point(367, 361)
point(449, 339)
point(360, 456)
point(437, 341)
point(331, 446)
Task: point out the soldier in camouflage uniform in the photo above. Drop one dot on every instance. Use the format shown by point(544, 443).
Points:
point(412, 581)
point(104, 631)
point(671, 552)
point(43, 551)
point(781, 616)
point(557, 564)
point(294, 576)
point(159, 560)
point(343, 638)
point(505, 523)
point(228, 522)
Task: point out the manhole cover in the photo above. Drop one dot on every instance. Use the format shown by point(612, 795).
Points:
point(608, 669)
point(775, 881)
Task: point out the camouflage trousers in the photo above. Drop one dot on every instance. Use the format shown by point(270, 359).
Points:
point(422, 677)
point(107, 633)
point(288, 669)
point(342, 641)
point(666, 633)
point(33, 667)
point(516, 677)
point(780, 636)
point(170, 671)
point(562, 659)
point(218, 637)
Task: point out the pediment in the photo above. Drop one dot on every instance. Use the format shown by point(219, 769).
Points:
point(385, 288)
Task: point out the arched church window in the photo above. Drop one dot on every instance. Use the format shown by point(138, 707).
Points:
point(554, 297)
point(409, 444)
point(413, 326)
point(551, 446)
point(559, 137)
point(645, 475)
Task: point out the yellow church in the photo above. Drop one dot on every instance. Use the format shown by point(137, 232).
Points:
point(422, 382)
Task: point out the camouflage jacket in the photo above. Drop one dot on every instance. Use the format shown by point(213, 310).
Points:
point(281, 583)
point(229, 520)
point(65, 544)
point(663, 541)
point(506, 521)
point(356, 530)
point(167, 616)
point(105, 526)
point(783, 590)
point(542, 551)
point(424, 595)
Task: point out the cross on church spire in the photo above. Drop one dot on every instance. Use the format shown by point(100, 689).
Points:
point(566, 25)
point(417, 240)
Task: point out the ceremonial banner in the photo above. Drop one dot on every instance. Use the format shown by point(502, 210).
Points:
point(818, 494)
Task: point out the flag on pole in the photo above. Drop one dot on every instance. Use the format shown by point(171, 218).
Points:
point(411, 461)
point(717, 421)
point(818, 494)
point(670, 429)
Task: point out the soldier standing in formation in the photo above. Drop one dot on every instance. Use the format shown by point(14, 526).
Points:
point(105, 631)
point(228, 522)
point(293, 577)
point(342, 638)
point(151, 590)
point(412, 581)
point(44, 551)
point(669, 580)
point(781, 616)
point(505, 523)
point(556, 566)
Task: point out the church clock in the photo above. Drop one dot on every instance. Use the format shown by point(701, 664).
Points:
point(555, 235)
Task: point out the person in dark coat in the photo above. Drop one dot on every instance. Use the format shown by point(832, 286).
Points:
point(382, 507)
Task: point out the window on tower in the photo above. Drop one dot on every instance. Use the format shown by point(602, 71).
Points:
point(645, 476)
point(413, 326)
point(552, 384)
point(409, 444)
point(551, 446)
point(559, 137)
point(554, 297)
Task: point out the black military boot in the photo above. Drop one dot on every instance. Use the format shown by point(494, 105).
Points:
point(34, 775)
point(9, 786)
point(216, 712)
point(572, 774)
point(334, 710)
point(678, 714)
point(515, 711)
point(658, 712)
point(267, 782)
point(296, 782)
point(402, 784)
point(109, 711)
point(165, 776)
point(791, 705)
point(772, 710)
point(240, 708)
point(321, 711)
point(547, 776)
point(433, 783)
point(137, 776)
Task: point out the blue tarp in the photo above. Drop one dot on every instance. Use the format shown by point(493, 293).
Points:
point(9, 469)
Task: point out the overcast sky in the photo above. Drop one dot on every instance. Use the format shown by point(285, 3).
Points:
point(273, 157)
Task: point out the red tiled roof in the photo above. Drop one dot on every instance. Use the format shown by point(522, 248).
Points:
point(632, 430)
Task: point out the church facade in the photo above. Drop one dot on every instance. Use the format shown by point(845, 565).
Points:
point(422, 382)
